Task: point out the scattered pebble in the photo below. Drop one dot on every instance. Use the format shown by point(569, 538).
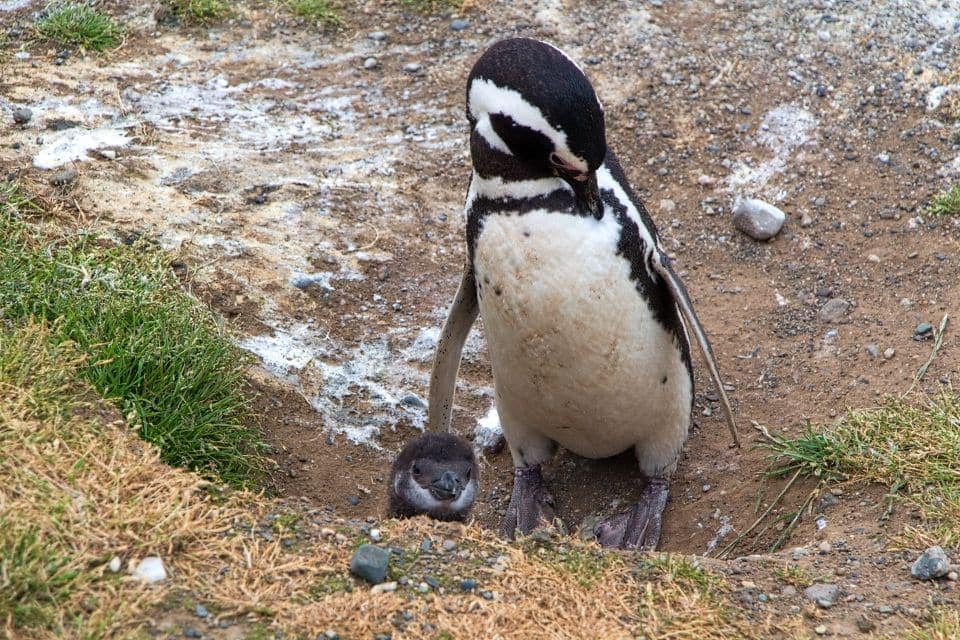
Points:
point(370, 563)
point(384, 587)
point(667, 206)
point(872, 350)
point(932, 563)
point(889, 352)
point(824, 547)
point(757, 219)
point(425, 545)
point(22, 115)
point(150, 570)
point(459, 24)
point(375, 535)
point(115, 564)
point(201, 611)
point(820, 629)
point(953, 576)
point(370, 63)
point(192, 632)
point(865, 624)
point(412, 67)
point(834, 310)
point(923, 329)
point(449, 545)
point(353, 500)
point(468, 584)
point(377, 36)
point(63, 177)
point(825, 595)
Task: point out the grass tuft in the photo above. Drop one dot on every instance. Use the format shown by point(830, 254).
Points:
point(432, 6)
point(913, 447)
point(79, 24)
point(200, 11)
point(947, 203)
point(944, 624)
point(149, 347)
point(321, 12)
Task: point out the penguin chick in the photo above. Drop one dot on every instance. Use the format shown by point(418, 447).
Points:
point(434, 474)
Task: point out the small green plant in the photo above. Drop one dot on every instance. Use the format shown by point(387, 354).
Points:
point(795, 575)
point(200, 11)
point(681, 572)
point(321, 12)
point(947, 203)
point(150, 348)
point(78, 24)
point(944, 624)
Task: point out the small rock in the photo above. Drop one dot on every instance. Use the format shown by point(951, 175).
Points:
point(468, 584)
point(806, 220)
point(377, 36)
point(865, 624)
point(413, 400)
point(788, 591)
point(150, 570)
point(22, 115)
point(872, 350)
point(370, 563)
point(885, 608)
point(449, 545)
point(201, 611)
point(353, 500)
point(825, 595)
point(889, 352)
point(191, 632)
point(825, 547)
point(820, 629)
point(115, 564)
point(425, 545)
point(706, 181)
point(953, 576)
point(423, 587)
point(384, 587)
point(667, 206)
point(459, 24)
point(63, 177)
point(412, 67)
point(370, 63)
point(932, 563)
point(923, 329)
point(108, 154)
point(375, 535)
point(757, 219)
point(834, 310)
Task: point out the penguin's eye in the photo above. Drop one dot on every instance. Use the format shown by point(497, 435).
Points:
point(555, 160)
point(416, 469)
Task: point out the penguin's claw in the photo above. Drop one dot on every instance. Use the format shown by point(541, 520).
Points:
point(531, 505)
point(639, 527)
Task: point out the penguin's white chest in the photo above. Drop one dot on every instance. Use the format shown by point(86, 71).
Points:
point(577, 354)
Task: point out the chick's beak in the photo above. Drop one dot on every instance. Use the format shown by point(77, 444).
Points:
point(588, 194)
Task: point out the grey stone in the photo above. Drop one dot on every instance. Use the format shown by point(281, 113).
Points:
point(757, 219)
point(469, 584)
point(201, 611)
point(370, 63)
point(865, 624)
point(412, 67)
point(825, 595)
point(414, 401)
point(370, 563)
point(22, 115)
point(932, 563)
point(192, 632)
point(63, 177)
point(923, 329)
point(834, 310)
point(459, 24)
point(378, 36)
point(872, 350)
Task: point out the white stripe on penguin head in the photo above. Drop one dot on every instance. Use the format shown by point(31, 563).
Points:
point(487, 98)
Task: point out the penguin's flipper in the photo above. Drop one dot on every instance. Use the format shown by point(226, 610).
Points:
point(661, 264)
point(446, 362)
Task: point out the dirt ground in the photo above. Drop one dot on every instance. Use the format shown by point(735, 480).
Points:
point(315, 199)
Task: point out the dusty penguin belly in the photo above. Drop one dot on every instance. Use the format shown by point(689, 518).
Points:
point(576, 352)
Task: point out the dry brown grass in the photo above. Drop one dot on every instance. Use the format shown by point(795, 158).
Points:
point(79, 486)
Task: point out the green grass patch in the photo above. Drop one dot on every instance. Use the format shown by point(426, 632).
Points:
point(150, 348)
point(36, 576)
point(681, 572)
point(200, 11)
point(911, 448)
point(432, 6)
point(321, 12)
point(79, 24)
point(947, 203)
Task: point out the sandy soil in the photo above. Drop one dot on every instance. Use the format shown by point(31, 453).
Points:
point(315, 199)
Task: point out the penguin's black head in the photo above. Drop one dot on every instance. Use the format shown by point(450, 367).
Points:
point(434, 474)
point(527, 99)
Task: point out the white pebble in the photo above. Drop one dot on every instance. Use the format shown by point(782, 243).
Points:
point(757, 219)
point(375, 535)
point(150, 570)
point(384, 587)
point(370, 63)
point(114, 565)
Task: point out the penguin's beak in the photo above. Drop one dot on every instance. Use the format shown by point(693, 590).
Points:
point(587, 193)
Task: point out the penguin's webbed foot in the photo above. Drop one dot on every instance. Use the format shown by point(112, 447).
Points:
point(531, 505)
point(639, 527)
